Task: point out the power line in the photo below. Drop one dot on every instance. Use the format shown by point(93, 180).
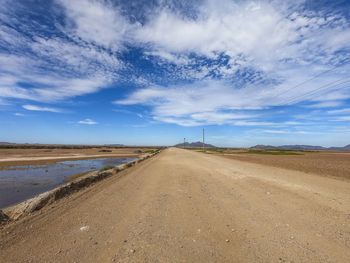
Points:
point(312, 92)
point(305, 81)
point(325, 87)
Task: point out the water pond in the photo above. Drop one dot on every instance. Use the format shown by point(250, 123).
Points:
point(18, 183)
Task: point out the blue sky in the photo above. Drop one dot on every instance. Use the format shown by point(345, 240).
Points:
point(154, 72)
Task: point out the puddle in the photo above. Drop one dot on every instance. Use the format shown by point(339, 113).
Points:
point(18, 183)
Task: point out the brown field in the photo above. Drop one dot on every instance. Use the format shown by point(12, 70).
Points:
point(29, 156)
point(321, 163)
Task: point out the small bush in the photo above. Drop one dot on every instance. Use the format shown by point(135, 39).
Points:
point(107, 167)
point(150, 151)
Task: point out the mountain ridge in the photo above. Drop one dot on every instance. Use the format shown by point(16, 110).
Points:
point(301, 147)
point(197, 144)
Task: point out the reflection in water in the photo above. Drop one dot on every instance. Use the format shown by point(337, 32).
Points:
point(18, 183)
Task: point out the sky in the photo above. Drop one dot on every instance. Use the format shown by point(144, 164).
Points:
point(155, 72)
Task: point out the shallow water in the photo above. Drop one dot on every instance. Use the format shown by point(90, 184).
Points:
point(18, 183)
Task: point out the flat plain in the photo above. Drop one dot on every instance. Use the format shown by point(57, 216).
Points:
point(323, 163)
point(187, 206)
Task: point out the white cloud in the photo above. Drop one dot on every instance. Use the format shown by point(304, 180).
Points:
point(342, 119)
point(96, 21)
point(71, 74)
point(169, 57)
point(215, 102)
point(40, 108)
point(220, 117)
point(262, 33)
point(18, 114)
point(51, 69)
point(88, 122)
point(280, 44)
point(50, 87)
point(275, 131)
point(202, 97)
point(222, 27)
point(285, 45)
point(340, 111)
point(82, 58)
point(325, 104)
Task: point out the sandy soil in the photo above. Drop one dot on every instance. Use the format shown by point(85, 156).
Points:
point(43, 156)
point(321, 163)
point(185, 206)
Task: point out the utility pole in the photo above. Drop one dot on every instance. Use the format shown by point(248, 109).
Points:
point(203, 141)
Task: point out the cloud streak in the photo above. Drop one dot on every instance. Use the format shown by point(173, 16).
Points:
point(40, 108)
point(88, 122)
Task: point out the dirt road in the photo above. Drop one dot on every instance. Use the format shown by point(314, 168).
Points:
point(184, 206)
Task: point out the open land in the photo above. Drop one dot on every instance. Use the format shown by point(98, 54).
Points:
point(187, 206)
point(323, 163)
point(31, 156)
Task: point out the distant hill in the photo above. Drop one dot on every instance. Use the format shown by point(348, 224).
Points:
point(194, 145)
point(300, 148)
point(345, 148)
point(6, 143)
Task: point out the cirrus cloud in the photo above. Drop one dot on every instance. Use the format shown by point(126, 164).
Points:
point(40, 108)
point(88, 122)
